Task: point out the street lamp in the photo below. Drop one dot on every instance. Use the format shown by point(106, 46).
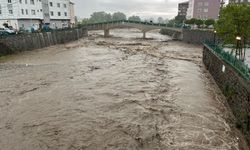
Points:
point(215, 36)
point(238, 47)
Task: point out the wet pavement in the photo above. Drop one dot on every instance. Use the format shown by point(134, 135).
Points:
point(118, 93)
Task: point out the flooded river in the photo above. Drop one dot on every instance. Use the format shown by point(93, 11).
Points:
point(118, 93)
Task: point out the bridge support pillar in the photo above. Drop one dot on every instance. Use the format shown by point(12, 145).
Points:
point(106, 33)
point(144, 35)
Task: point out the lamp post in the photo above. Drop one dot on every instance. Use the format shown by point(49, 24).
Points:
point(215, 36)
point(238, 47)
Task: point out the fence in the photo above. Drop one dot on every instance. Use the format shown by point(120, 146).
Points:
point(238, 65)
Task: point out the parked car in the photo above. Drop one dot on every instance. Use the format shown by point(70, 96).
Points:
point(3, 32)
point(9, 31)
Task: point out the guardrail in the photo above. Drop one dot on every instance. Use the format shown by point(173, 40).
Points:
point(239, 66)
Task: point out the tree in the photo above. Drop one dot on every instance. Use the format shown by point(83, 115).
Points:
point(134, 18)
point(85, 21)
point(199, 22)
point(234, 21)
point(180, 19)
point(98, 17)
point(160, 20)
point(192, 21)
point(171, 23)
point(209, 22)
point(119, 16)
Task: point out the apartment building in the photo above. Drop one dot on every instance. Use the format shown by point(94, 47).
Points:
point(72, 14)
point(183, 8)
point(27, 14)
point(203, 9)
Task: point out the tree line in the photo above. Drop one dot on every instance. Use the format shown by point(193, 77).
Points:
point(104, 17)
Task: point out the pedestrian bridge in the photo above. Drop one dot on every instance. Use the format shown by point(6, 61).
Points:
point(143, 26)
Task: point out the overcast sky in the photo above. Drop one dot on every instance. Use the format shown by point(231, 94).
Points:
point(143, 8)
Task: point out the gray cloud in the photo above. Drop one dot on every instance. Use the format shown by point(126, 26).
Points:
point(143, 8)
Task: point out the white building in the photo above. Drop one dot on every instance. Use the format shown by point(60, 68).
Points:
point(35, 13)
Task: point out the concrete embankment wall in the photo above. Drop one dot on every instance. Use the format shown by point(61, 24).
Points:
point(26, 42)
point(234, 87)
point(197, 36)
point(192, 36)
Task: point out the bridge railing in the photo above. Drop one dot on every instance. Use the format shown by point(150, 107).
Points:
point(229, 58)
point(129, 21)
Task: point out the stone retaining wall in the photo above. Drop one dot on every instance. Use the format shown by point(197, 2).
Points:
point(197, 36)
point(234, 87)
point(25, 42)
point(192, 36)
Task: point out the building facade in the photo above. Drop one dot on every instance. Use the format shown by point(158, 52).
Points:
point(27, 14)
point(183, 8)
point(203, 9)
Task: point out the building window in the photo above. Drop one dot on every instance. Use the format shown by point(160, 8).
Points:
point(9, 1)
point(52, 13)
point(27, 12)
point(20, 1)
point(65, 14)
point(22, 10)
point(51, 4)
point(65, 6)
point(59, 13)
point(58, 5)
point(33, 12)
point(200, 4)
point(32, 2)
point(0, 10)
point(26, 1)
point(11, 12)
point(206, 10)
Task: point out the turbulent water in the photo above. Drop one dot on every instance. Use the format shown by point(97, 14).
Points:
point(118, 93)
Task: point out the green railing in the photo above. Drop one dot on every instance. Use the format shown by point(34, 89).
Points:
point(240, 66)
point(130, 21)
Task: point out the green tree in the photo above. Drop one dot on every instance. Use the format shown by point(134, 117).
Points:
point(192, 21)
point(98, 17)
point(108, 17)
point(171, 23)
point(234, 21)
point(209, 22)
point(119, 16)
point(180, 19)
point(134, 18)
point(85, 21)
point(199, 22)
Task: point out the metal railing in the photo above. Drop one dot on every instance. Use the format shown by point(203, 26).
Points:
point(130, 21)
point(229, 58)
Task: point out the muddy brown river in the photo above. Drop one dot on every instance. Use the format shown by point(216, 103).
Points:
point(118, 93)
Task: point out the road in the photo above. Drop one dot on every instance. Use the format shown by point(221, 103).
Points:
point(113, 94)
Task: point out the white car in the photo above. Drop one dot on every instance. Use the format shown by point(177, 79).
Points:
point(9, 31)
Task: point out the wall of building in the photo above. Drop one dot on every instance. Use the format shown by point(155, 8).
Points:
point(23, 10)
point(19, 43)
point(203, 9)
point(234, 87)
